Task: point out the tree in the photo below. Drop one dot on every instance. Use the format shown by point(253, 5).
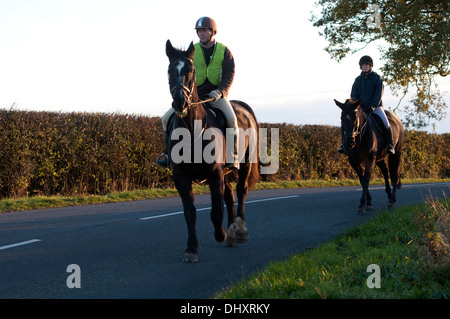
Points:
point(414, 42)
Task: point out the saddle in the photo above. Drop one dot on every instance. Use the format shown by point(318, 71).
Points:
point(380, 131)
point(377, 124)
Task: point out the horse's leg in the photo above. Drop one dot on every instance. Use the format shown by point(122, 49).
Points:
point(237, 232)
point(357, 168)
point(384, 170)
point(229, 201)
point(242, 191)
point(366, 198)
point(394, 169)
point(184, 187)
point(216, 186)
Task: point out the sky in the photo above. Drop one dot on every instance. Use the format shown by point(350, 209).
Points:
point(109, 56)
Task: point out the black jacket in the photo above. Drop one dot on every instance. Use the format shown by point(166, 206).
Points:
point(369, 88)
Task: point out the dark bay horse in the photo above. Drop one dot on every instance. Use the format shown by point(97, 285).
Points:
point(365, 145)
point(193, 128)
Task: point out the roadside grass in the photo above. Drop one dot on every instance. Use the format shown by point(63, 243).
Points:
point(411, 245)
point(41, 202)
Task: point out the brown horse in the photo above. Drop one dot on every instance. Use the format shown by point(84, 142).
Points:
point(364, 144)
point(190, 151)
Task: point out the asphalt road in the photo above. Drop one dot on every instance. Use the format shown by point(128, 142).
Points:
point(134, 249)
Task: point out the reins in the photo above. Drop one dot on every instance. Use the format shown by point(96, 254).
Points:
point(360, 131)
point(187, 93)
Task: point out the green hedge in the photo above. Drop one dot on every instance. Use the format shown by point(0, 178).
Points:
point(96, 153)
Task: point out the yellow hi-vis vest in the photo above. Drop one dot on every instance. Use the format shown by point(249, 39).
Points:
point(212, 71)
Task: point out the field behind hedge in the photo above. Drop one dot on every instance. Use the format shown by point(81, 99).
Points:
point(49, 153)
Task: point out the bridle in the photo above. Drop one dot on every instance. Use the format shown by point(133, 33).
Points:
point(187, 94)
point(358, 132)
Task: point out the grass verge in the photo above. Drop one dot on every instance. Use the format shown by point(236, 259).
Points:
point(40, 202)
point(410, 245)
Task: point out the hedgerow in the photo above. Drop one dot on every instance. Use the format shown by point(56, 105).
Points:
point(51, 153)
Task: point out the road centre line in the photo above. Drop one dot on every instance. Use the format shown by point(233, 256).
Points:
point(208, 208)
point(20, 244)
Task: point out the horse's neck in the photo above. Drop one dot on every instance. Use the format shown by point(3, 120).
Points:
point(363, 123)
point(193, 117)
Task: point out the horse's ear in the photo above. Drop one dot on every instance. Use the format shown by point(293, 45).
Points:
point(341, 105)
point(190, 51)
point(170, 51)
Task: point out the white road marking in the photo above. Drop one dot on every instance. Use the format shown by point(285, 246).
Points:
point(208, 208)
point(405, 186)
point(20, 244)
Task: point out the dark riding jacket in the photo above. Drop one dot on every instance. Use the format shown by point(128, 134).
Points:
point(227, 73)
point(369, 88)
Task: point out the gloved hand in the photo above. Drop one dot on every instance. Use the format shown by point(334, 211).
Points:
point(215, 95)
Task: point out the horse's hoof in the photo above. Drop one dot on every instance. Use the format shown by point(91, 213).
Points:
point(220, 236)
point(230, 242)
point(242, 237)
point(190, 258)
point(231, 236)
point(369, 208)
point(241, 232)
point(390, 205)
point(237, 233)
point(361, 210)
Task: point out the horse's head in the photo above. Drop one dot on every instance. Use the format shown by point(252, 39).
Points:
point(181, 77)
point(350, 121)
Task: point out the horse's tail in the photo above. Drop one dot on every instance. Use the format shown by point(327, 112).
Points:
point(254, 167)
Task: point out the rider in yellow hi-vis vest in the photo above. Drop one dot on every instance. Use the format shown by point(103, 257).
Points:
point(214, 71)
point(211, 71)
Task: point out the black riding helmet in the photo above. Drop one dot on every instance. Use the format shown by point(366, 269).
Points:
point(366, 60)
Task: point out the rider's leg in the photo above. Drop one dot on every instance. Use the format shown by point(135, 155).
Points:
point(387, 132)
point(224, 105)
point(163, 159)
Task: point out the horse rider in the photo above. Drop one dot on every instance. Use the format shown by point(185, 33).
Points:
point(368, 87)
point(214, 72)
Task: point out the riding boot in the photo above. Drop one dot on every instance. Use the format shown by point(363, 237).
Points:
point(389, 141)
point(235, 163)
point(163, 159)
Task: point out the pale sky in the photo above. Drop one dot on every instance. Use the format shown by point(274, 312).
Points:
point(109, 56)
